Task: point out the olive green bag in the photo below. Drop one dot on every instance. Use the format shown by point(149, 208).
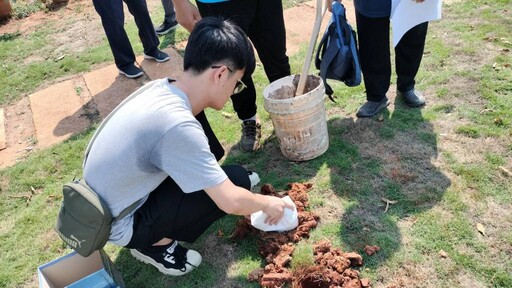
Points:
point(84, 220)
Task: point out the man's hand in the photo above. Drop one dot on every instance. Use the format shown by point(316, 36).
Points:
point(186, 14)
point(329, 4)
point(275, 209)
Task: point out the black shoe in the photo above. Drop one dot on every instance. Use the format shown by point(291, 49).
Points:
point(172, 259)
point(412, 98)
point(166, 27)
point(157, 55)
point(251, 134)
point(131, 71)
point(371, 108)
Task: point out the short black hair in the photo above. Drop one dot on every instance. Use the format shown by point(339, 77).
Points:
point(217, 41)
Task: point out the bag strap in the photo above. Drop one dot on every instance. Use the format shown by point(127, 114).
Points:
point(123, 213)
point(134, 205)
point(355, 62)
point(104, 122)
point(327, 56)
point(126, 211)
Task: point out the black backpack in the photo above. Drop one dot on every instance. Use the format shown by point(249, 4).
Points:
point(337, 57)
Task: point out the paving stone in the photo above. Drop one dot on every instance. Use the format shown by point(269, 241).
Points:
point(108, 88)
point(3, 140)
point(58, 113)
point(171, 68)
point(20, 132)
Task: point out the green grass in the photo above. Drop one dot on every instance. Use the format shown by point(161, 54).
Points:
point(440, 163)
point(37, 56)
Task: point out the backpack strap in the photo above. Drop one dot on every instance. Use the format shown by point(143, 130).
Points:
point(328, 56)
point(355, 62)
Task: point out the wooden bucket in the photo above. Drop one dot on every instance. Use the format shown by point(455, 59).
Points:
point(300, 122)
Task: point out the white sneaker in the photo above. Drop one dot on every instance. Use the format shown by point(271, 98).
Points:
point(254, 177)
point(172, 259)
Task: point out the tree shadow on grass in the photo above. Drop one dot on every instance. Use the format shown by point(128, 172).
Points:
point(395, 161)
point(391, 156)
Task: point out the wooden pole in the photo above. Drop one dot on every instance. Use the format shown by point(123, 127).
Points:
point(320, 11)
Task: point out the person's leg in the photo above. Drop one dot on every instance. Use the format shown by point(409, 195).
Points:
point(112, 19)
point(268, 34)
point(408, 55)
point(374, 56)
point(169, 22)
point(242, 13)
point(215, 146)
point(171, 213)
point(170, 15)
point(147, 34)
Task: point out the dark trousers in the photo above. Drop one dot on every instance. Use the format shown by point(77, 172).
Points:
point(112, 19)
point(170, 213)
point(215, 146)
point(374, 55)
point(263, 22)
point(170, 15)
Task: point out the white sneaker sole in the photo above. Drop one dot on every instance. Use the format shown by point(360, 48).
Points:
point(131, 76)
point(173, 272)
point(167, 31)
point(157, 60)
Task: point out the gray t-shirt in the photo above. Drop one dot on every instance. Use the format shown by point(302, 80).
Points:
point(152, 136)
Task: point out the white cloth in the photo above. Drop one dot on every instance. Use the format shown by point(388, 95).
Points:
point(289, 221)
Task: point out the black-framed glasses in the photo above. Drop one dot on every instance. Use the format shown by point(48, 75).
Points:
point(239, 87)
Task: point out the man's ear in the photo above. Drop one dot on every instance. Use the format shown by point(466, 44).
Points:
point(219, 72)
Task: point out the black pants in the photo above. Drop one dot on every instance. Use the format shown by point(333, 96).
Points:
point(263, 22)
point(112, 19)
point(374, 55)
point(170, 213)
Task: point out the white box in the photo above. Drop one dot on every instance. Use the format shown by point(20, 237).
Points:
point(73, 267)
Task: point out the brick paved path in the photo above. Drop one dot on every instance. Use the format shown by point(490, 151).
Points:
point(53, 114)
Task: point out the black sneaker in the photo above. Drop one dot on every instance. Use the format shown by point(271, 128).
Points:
point(131, 71)
point(251, 134)
point(166, 27)
point(371, 108)
point(157, 55)
point(172, 259)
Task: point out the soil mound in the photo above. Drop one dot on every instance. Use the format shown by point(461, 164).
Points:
point(332, 266)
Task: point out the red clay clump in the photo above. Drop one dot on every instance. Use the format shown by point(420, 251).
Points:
point(332, 267)
point(370, 250)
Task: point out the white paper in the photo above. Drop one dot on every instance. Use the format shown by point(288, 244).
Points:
point(289, 221)
point(405, 14)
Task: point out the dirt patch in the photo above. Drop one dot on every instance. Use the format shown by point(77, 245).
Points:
point(20, 132)
point(288, 92)
point(332, 267)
